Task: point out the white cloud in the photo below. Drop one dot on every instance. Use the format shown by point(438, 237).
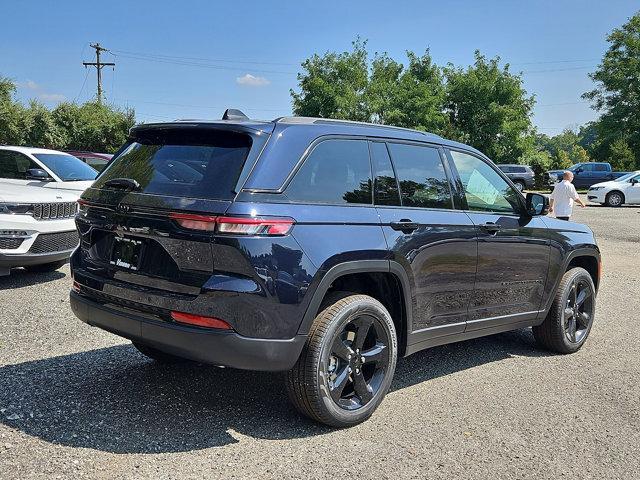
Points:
point(251, 81)
point(52, 97)
point(29, 85)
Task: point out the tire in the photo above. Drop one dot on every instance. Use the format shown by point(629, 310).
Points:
point(614, 199)
point(519, 185)
point(331, 383)
point(45, 267)
point(158, 355)
point(566, 328)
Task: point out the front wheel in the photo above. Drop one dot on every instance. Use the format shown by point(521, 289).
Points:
point(614, 199)
point(519, 185)
point(347, 363)
point(569, 321)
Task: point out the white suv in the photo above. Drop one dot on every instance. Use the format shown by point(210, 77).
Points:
point(37, 228)
point(40, 167)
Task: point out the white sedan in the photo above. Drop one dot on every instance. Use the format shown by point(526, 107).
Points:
point(617, 192)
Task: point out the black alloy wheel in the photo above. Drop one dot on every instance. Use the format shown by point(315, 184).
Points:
point(571, 316)
point(578, 311)
point(347, 363)
point(357, 362)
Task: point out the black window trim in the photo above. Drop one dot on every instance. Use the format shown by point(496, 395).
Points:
point(374, 174)
point(464, 205)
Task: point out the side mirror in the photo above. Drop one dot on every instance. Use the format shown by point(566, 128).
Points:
point(579, 170)
point(537, 204)
point(633, 181)
point(38, 174)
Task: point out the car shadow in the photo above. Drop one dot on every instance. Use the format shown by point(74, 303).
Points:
point(20, 277)
point(114, 400)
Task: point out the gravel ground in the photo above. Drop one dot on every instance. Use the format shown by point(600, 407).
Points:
point(77, 402)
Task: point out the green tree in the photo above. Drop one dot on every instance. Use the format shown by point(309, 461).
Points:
point(93, 126)
point(41, 129)
point(333, 85)
point(12, 114)
point(411, 97)
point(621, 157)
point(540, 162)
point(617, 91)
point(489, 109)
point(578, 154)
point(561, 161)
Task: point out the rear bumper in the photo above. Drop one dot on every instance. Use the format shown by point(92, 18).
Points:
point(208, 346)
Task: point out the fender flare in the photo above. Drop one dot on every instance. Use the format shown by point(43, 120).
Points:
point(357, 266)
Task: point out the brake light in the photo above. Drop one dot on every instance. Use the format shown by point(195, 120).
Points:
point(234, 225)
point(200, 321)
point(254, 225)
point(194, 221)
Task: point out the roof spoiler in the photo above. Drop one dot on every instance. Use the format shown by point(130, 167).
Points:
point(234, 114)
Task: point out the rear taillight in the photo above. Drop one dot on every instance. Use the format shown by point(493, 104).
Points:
point(268, 226)
point(200, 321)
point(194, 222)
point(254, 225)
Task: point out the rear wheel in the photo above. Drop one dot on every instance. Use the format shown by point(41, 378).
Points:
point(45, 267)
point(347, 363)
point(614, 199)
point(158, 355)
point(569, 321)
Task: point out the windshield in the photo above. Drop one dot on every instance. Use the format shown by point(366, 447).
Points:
point(67, 167)
point(626, 177)
point(182, 163)
point(573, 168)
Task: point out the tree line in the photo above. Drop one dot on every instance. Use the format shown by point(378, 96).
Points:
point(484, 105)
point(92, 126)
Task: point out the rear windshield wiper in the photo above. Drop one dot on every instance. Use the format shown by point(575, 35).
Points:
point(123, 184)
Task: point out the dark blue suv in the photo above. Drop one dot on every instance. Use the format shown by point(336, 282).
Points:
point(324, 248)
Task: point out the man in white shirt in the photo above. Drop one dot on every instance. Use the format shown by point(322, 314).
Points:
point(563, 196)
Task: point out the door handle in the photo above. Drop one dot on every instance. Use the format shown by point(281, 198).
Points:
point(404, 225)
point(490, 227)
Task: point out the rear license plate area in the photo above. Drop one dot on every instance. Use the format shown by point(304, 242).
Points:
point(126, 253)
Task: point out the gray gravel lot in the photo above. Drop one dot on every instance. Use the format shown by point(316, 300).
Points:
point(77, 402)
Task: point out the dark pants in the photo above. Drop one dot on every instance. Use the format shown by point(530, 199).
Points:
point(563, 218)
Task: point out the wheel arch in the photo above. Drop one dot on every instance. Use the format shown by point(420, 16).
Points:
point(615, 191)
point(384, 280)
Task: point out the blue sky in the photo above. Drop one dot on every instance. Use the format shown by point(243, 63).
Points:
point(192, 59)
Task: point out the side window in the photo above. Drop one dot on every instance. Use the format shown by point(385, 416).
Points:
point(336, 171)
point(423, 180)
point(505, 169)
point(600, 167)
point(485, 190)
point(587, 167)
point(519, 170)
point(385, 183)
point(14, 165)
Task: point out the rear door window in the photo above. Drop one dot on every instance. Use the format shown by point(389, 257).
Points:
point(422, 177)
point(198, 164)
point(335, 172)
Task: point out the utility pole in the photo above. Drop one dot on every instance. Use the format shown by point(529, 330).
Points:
point(98, 64)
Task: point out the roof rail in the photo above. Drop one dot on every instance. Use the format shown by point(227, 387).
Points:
point(314, 120)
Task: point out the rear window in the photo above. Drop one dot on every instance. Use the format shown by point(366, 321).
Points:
point(198, 164)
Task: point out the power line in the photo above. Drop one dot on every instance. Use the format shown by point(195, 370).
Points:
point(198, 64)
point(99, 66)
point(220, 60)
